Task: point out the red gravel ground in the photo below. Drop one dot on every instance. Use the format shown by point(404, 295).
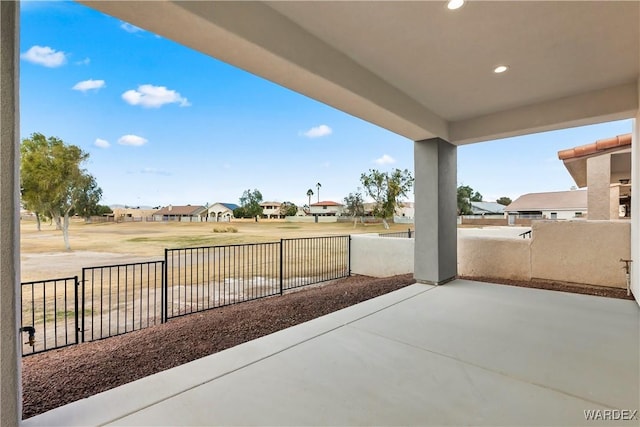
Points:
point(62, 376)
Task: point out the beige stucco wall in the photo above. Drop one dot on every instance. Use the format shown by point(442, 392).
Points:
point(614, 202)
point(586, 252)
point(495, 257)
point(598, 187)
point(376, 256)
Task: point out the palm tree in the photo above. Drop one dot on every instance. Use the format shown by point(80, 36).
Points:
point(318, 185)
point(309, 193)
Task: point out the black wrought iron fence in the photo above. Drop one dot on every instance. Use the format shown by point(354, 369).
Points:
point(409, 233)
point(115, 299)
point(50, 307)
point(202, 278)
point(121, 298)
point(313, 260)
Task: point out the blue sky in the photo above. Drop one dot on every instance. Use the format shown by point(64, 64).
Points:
point(165, 124)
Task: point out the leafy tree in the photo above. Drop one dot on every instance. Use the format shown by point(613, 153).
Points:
point(466, 195)
point(53, 182)
point(386, 189)
point(309, 194)
point(354, 206)
point(103, 210)
point(87, 198)
point(288, 209)
point(250, 202)
point(239, 212)
point(505, 201)
point(318, 185)
point(33, 176)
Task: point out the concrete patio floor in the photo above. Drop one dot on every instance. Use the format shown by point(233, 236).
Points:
point(466, 353)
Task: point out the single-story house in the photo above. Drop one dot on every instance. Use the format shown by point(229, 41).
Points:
point(188, 213)
point(121, 213)
point(219, 212)
point(326, 208)
point(487, 208)
point(604, 167)
point(551, 205)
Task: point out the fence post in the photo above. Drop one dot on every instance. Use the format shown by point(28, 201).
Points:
point(83, 308)
point(281, 265)
point(75, 309)
point(349, 255)
point(164, 295)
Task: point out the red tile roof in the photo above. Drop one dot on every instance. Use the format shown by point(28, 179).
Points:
point(326, 203)
point(599, 145)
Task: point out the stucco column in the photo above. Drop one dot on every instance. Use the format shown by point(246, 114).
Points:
point(635, 205)
point(10, 393)
point(435, 251)
point(598, 187)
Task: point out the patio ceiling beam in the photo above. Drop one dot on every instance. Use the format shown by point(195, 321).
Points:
point(613, 103)
point(256, 38)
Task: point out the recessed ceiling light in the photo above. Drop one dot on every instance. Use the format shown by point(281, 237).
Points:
point(455, 4)
point(500, 69)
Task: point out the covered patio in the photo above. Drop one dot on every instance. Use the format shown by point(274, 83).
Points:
point(467, 353)
point(464, 353)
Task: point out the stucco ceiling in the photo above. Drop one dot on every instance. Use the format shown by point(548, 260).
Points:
point(419, 69)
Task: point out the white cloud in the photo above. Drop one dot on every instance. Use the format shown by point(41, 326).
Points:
point(85, 61)
point(44, 55)
point(318, 131)
point(130, 28)
point(90, 84)
point(326, 164)
point(102, 143)
point(151, 96)
point(133, 140)
point(385, 160)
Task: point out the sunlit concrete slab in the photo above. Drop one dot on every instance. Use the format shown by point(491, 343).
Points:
point(465, 353)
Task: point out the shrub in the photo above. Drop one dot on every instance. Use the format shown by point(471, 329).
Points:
point(225, 229)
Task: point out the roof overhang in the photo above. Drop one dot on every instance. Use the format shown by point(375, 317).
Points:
point(618, 149)
point(419, 69)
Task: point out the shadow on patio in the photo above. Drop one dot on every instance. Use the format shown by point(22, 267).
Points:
point(466, 353)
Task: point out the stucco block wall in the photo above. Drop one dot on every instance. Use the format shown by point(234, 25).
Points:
point(484, 221)
point(586, 252)
point(381, 256)
point(496, 257)
point(598, 187)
